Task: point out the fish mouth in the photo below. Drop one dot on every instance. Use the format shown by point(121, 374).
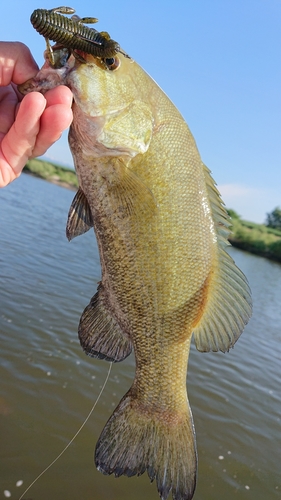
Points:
point(105, 63)
point(59, 62)
point(58, 57)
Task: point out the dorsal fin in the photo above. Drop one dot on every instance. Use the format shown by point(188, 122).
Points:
point(229, 303)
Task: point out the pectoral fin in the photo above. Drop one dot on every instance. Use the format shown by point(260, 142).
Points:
point(130, 192)
point(79, 216)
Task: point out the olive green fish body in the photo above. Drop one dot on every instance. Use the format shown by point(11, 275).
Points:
point(162, 230)
point(141, 290)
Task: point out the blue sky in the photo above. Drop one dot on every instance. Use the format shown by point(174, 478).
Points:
point(219, 62)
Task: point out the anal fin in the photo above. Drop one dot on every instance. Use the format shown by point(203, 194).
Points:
point(100, 334)
point(80, 218)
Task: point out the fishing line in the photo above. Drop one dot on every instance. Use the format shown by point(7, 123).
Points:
point(74, 437)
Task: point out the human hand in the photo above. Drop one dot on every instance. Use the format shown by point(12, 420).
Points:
point(29, 125)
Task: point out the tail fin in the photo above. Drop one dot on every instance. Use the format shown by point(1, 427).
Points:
point(134, 441)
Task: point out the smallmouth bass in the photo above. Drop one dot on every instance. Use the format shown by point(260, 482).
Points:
point(162, 231)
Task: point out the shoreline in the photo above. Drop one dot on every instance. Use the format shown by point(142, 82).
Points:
point(242, 246)
point(52, 180)
point(51, 172)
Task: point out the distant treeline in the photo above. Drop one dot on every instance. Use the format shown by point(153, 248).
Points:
point(255, 238)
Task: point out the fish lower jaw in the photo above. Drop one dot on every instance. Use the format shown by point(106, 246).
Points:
point(46, 79)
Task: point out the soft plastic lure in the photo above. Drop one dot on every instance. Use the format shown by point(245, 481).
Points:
point(72, 32)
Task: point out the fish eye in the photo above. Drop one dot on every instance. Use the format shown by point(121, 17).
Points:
point(112, 63)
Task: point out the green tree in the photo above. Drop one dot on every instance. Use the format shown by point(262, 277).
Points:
point(273, 219)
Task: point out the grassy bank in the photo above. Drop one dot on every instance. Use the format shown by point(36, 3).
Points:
point(51, 172)
point(254, 238)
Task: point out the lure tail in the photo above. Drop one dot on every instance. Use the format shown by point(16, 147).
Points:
point(134, 441)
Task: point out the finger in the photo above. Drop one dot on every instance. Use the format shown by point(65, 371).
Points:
point(16, 63)
point(19, 142)
point(8, 107)
point(56, 118)
point(54, 121)
point(59, 95)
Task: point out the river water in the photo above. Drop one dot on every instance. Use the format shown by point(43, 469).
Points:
point(48, 385)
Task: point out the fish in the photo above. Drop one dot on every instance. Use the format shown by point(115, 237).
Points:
point(162, 232)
